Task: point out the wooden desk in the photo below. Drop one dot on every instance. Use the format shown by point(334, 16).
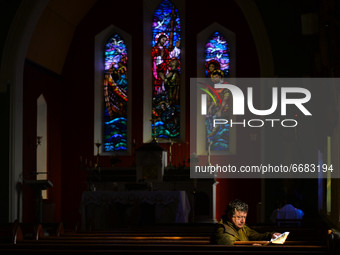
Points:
point(38, 186)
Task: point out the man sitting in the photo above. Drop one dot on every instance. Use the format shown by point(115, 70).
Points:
point(232, 226)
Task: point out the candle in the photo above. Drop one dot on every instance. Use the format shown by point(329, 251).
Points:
point(134, 141)
point(80, 159)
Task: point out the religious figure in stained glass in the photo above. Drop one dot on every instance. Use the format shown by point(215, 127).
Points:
point(217, 67)
point(166, 69)
point(115, 95)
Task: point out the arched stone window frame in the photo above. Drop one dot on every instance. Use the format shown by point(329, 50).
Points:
point(101, 40)
point(149, 8)
point(202, 39)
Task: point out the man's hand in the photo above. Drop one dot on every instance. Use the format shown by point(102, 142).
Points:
point(257, 244)
point(275, 235)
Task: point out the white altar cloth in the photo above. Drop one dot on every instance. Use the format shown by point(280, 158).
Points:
point(92, 200)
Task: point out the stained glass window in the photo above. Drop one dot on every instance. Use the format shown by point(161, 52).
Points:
point(166, 71)
point(115, 95)
point(216, 69)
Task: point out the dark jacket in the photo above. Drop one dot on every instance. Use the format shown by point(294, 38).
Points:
point(227, 233)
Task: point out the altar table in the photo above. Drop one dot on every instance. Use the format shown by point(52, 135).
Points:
point(287, 212)
point(109, 209)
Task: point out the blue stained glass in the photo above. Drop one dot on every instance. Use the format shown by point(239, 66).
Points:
point(166, 70)
point(216, 68)
point(115, 94)
point(217, 50)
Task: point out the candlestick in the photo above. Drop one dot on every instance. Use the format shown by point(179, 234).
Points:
point(153, 122)
point(97, 164)
point(169, 144)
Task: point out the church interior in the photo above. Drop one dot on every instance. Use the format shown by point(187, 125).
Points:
point(53, 111)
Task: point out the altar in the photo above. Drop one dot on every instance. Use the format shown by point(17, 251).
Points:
point(110, 209)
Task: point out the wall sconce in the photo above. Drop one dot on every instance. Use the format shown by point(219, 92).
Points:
point(39, 140)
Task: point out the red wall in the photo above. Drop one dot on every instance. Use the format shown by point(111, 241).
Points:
point(37, 82)
point(229, 15)
point(71, 102)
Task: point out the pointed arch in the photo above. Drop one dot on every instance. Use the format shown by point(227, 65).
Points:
point(112, 118)
point(217, 63)
point(115, 95)
point(166, 71)
point(216, 47)
point(164, 89)
point(216, 54)
point(202, 39)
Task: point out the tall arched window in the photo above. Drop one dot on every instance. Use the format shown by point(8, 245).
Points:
point(166, 71)
point(217, 68)
point(217, 55)
point(216, 51)
point(112, 88)
point(115, 95)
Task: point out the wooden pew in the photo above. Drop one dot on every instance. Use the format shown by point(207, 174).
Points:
point(158, 240)
point(54, 229)
point(152, 241)
point(32, 231)
point(10, 233)
point(164, 236)
point(164, 248)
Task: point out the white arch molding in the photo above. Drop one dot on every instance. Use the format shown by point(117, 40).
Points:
point(12, 68)
point(260, 35)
